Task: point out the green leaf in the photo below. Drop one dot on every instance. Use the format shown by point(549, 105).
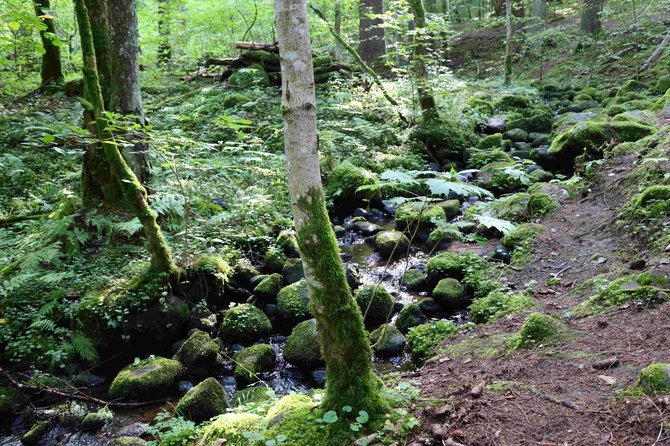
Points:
point(398, 177)
point(329, 417)
point(355, 427)
point(347, 409)
point(14, 25)
point(48, 139)
point(363, 417)
point(503, 226)
point(281, 438)
point(438, 186)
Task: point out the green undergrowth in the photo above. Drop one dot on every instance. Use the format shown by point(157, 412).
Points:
point(643, 289)
point(477, 346)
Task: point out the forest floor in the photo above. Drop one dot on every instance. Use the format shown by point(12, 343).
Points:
point(553, 395)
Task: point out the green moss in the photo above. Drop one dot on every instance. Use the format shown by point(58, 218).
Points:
point(245, 323)
point(35, 433)
point(343, 182)
point(94, 421)
point(414, 279)
point(410, 316)
point(582, 97)
point(233, 99)
point(252, 361)
point(293, 270)
point(199, 351)
point(480, 105)
point(662, 85)
point(253, 76)
point(127, 441)
point(443, 234)
point(409, 216)
point(212, 264)
point(269, 287)
point(449, 294)
point(375, 304)
point(252, 395)
point(615, 109)
point(478, 347)
point(653, 202)
point(301, 427)
point(541, 205)
point(9, 398)
point(231, 426)
point(302, 348)
point(288, 242)
point(446, 139)
point(148, 378)
point(541, 121)
point(497, 304)
point(644, 288)
point(473, 271)
point(424, 339)
point(293, 302)
point(293, 401)
point(632, 86)
point(490, 142)
point(275, 259)
point(653, 380)
point(512, 102)
point(536, 330)
point(203, 402)
point(520, 241)
point(391, 244)
point(480, 158)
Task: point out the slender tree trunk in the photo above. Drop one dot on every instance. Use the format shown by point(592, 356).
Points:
point(164, 49)
point(134, 192)
point(344, 342)
point(126, 97)
point(426, 99)
point(590, 23)
point(97, 11)
point(498, 7)
point(538, 13)
point(338, 30)
point(508, 42)
point(52, 70)
point(371, 32)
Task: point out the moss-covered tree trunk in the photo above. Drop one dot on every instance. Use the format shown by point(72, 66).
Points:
point(97, 13)
point(164, 48)
point(420, 53)
point(590, 22)
point(126, 96)
point(133, 191)
point(372, 46)
point(344, 342)
point(338, 30)
point(52, 69)
point(508, 42)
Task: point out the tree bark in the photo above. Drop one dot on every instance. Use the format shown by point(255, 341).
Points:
point(426, 99)
point(133, 191)
point(590, 22)
point(338, 30)
point(97, 11)
point(344, 342)
point(52, 70)
point(498, 7)
point(508, 42)
point(126, 96)
point(371, 32)
point(538, 13)
point(164, 49)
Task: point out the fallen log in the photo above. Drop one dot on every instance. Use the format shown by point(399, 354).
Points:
point(271, 47)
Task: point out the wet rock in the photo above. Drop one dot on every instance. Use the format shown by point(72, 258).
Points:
point(127, 441)
point(184, 386)
point(251, 362)
point(375, 303)
point(318, 377)
point(339, 230)
point(410, 316)
point(539, 139)
point(96, 420)
point(199, 354)
point(391, 244)
point(389, 208)
point(495, 124)
point(366, 228)
point(502, 254)
point(147, 379)
point(293, 270)
point(449, 294)
point(516, 135)
point(302, 347)
point(360, 212)
point(245, 324)
point(267, 289)
point(387, 340)
point(452, 208)
point(200, 318)
point(293, 303)
point(414, 279)
point(522, 147)
point(429, 306)
point(274, 261)
point(270, 310)
point(256, 280)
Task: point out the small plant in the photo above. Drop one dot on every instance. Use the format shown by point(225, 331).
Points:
point(171, 431)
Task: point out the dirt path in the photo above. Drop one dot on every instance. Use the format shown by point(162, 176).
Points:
point(553, 395)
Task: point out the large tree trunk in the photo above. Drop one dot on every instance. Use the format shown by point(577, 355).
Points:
point(164, 48)
point(371, 32)
point(590, 22)
point(426, 99)
point(52, 70)
point(133, 191)
point(538, 13)
point(126, 97)
point(344, 342)
point(508, 42)
point(97, 10)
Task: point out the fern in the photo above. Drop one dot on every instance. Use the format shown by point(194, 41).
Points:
point(441, 187)
point(43, 325)
point(84, 347)
point(503, 226)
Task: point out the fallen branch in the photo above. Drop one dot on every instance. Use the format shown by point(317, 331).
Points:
point(656, 55)
point(271, 47)
point(6, 221)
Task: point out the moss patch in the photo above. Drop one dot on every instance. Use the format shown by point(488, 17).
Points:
point(653, 380)
point(497, 304)
point(423, 340)
point(148, 378)
point(245, 323)
point(302, 348)
point(232, 427)
point(375, 304)
point(536, 330)
point(293, 302)
point(252, 361)
point(642, 289)
point(204, 401)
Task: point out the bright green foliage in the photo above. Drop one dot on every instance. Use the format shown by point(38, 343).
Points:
point(300, 427)
point(244, 323)
point(343, 182)
point(252, 361)
point(410, 316)
point(288, 403)
point(424, 339)
point(254, 76)
point(520, 241)
point(302, 347)
point(642, 289)
point(653, 380)
point(497, 304)
point(541, 205)
point(449, 294)
point(232, 427)
point(204, 401)
point(375, 303)
point(512, 102)
point(480, 158)
point(469, 268)
point(536, 330)
point(147, 378)
point(293, 302)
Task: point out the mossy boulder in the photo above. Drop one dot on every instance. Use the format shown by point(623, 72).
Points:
point(288, 242)
point(245, 324)
point(387, 340)
point(541, 121)
point(302, 348)
point(538, 329)
point(653, 380)
point(520, 240)
point(199, 354)
point(452, 208)
point(274, 259)
point(150, 378)
point(652, 203)
point(207, 278)
point(203, 402)
point(452, 265)
point(410, 316)
point(253, 76)
point(375, 303)
point(127, 441)
point(342, 185)
point(423, 340)
point(480, 158)
point(512, 102)
point(644, 289)
point(497, 304)
point(231, 427)
point(414, 279)
point(302, 425)
point(288, 403)
point(450, 295)
point(516, 135)
point(490, 142)
point(35, 433)
point(444, 234)
point(293, 270)
point(252, 361)
point(233, 99)
point(632, 86)
point(391, 244)
point(252, 395)
point(267, 290)
point(662, 85)
point(413, 216)
point(94, 421)
point(293, 303)
point(244, 271)
point(446, 139)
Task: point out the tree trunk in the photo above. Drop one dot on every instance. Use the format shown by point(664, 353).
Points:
point(371, 32)
point(538, 13)
point(508, 42)
point(164, 48)
point(344, 342)
point(498, 7)
point(426, 99)
point(338, 30)
point(126, 97)
point(52, 70)
point(97, 11)
point(590, 23)
point(134, 192)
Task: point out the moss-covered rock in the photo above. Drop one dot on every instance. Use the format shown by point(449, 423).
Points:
point(275, 259)
point(252, 361)
point(444, 234)
point(497, 304)
point(410, 316)
point(231, 427)
point(452, 265)
point(449, 294)
point(387, 340)
point(35, 433)
point(207, 277)
point(233, 99)
point(632, 86)
point(203, 402)
point(293, 303)
point(245, 323)
point(267, 290)
point(302, 348)
point(94, 421)
point(490, 142)
point(288, 242)
point(252, 396)
point(652, 203)
point(520, 241)
point(253, 76)
point(512, 102)
point(662, 85)
point(541, 205)
point(148, 378)
point(643, 288)
point(410, 216)
point(244, 271)
point(293, 270)
point(391, 244)
point(653, 380)
point(342, 184)
point(414, 279)
point(516, 135)
point(288, 403)
point(199, 354)
point(536, 330)
point(446, 139)
point(424, 339)
point(301, 427)
point(480, 158)
point(127, 441)
point(375, 303)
